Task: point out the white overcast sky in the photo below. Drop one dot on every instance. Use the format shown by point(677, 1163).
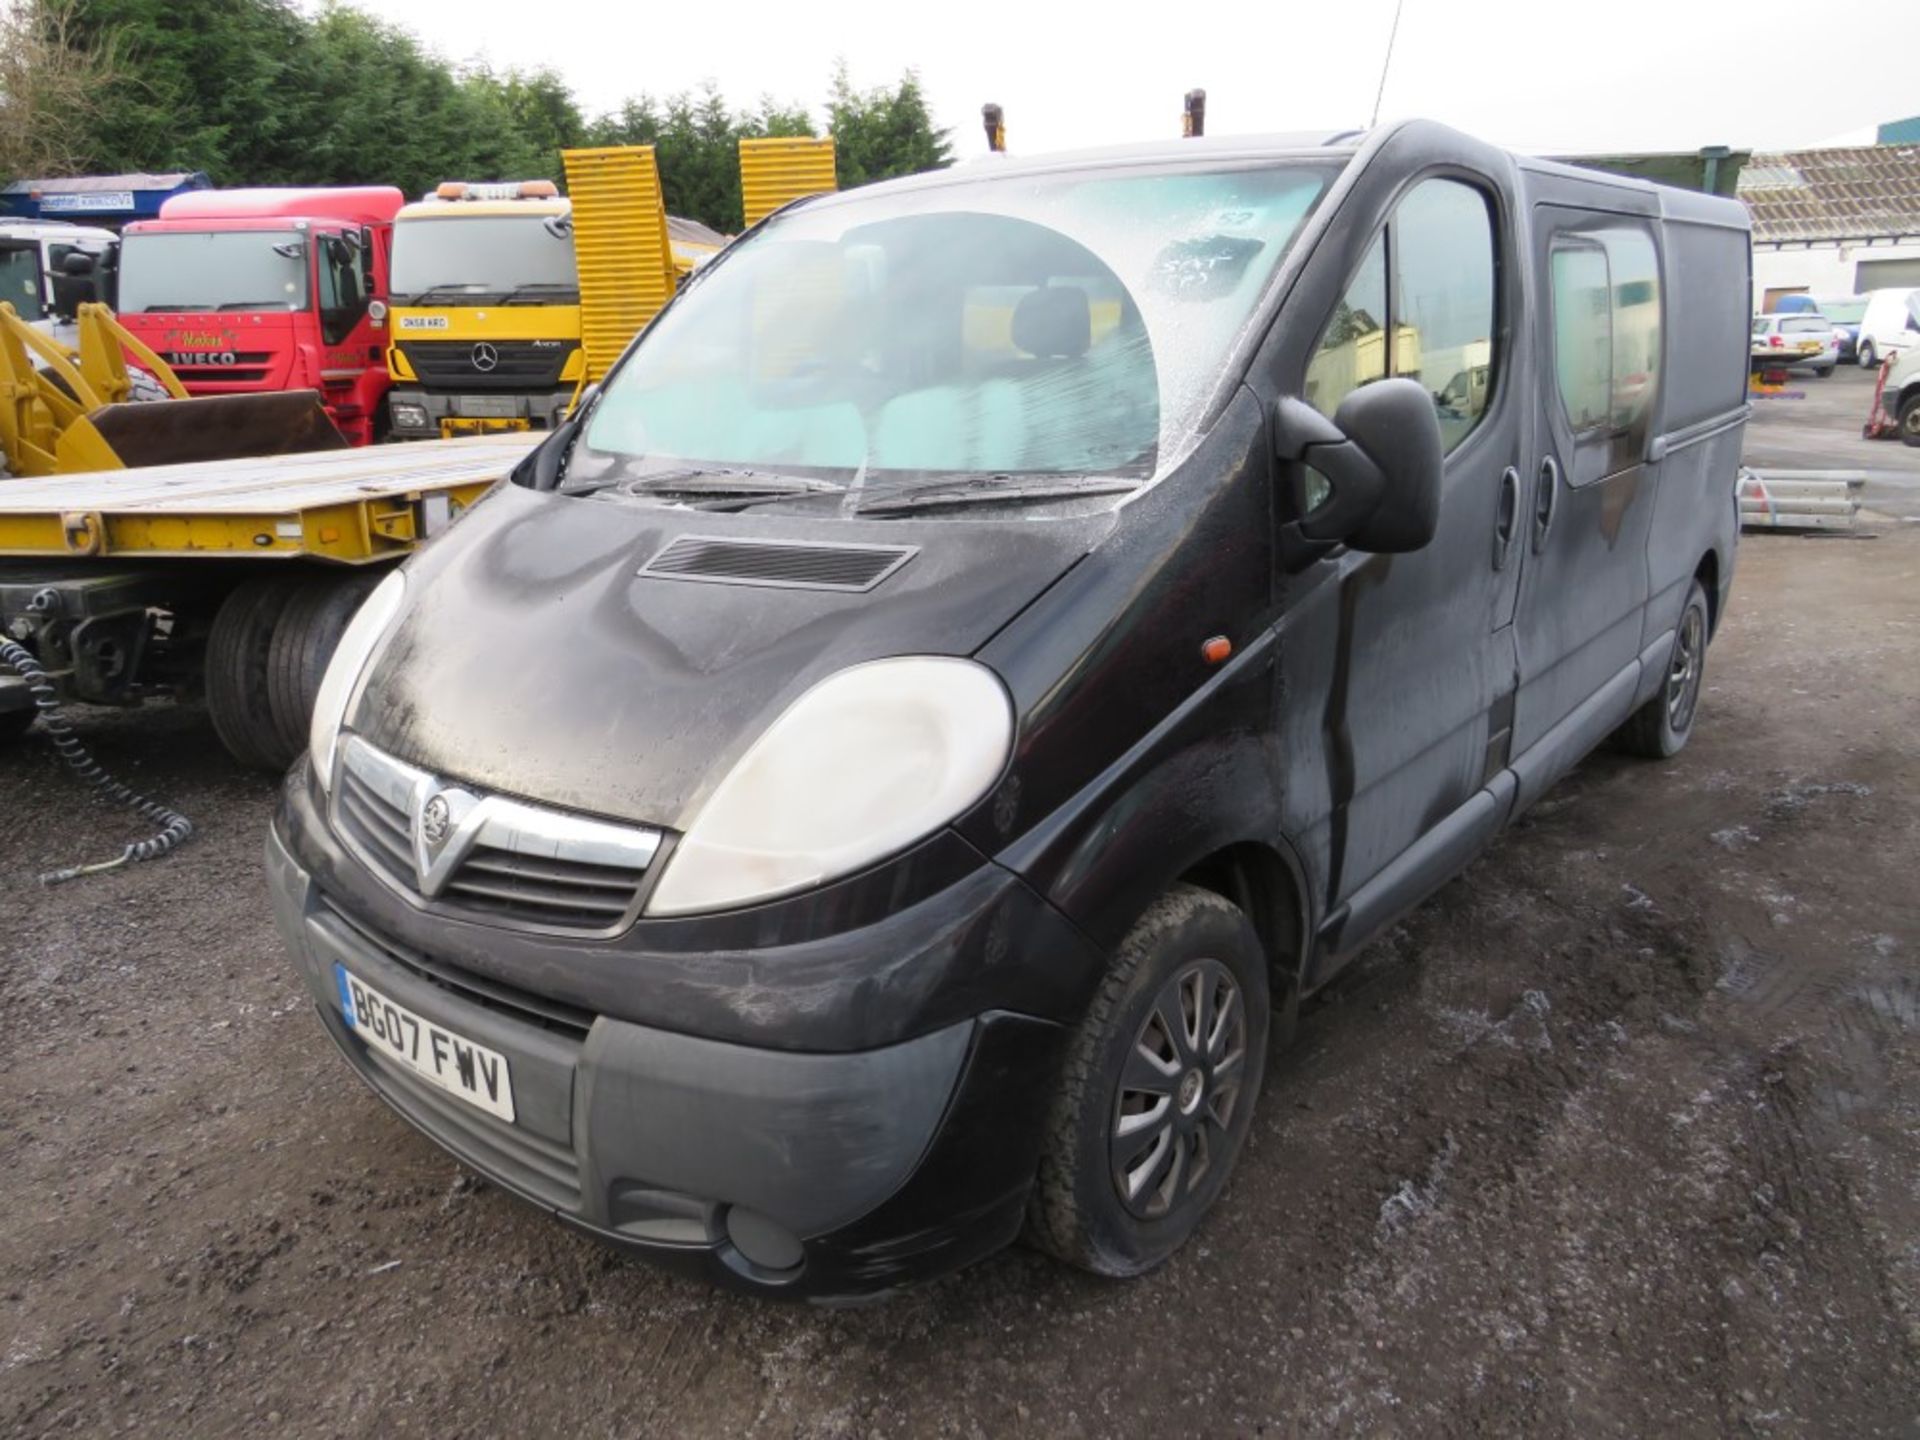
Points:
point(1547, 76)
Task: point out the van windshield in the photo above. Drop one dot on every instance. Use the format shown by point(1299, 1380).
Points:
point(995, 330)
point(214, 270)
point(442, 259)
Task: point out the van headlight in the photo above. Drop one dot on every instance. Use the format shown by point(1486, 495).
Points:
point(358, 641)
point(864, 764)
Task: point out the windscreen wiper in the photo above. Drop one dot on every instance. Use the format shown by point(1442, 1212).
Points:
point(702, 483)
point(992, 490)
point(463, 289)
point(540, 287)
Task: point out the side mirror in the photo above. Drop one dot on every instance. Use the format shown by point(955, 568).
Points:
point(1381, 456)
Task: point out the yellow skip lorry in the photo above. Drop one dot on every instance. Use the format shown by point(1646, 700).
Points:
point(486, 331)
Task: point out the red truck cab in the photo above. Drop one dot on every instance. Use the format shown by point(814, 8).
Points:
point(249, 290)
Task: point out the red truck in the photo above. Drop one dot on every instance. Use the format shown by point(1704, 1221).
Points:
point(250, 290)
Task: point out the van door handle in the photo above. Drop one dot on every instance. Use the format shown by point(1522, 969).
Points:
point(1545, 498)
point(1506, 516)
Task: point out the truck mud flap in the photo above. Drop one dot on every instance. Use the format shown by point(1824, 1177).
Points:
point(210, 427)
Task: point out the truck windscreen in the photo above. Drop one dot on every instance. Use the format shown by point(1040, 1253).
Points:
point(439, 259)
point(214, 270)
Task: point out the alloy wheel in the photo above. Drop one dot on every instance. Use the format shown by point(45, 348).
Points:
point(1178, 1089)
point(1683, 672)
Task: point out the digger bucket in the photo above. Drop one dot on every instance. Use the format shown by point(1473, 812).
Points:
point(207, 427)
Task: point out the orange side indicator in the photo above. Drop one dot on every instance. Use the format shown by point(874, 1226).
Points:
point(1217, 649)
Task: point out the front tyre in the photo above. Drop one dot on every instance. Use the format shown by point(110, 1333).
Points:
point(1868, 360)
point(1660, 728)
point(1158, 1089)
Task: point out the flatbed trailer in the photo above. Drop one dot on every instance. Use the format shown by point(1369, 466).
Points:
point(230, 579)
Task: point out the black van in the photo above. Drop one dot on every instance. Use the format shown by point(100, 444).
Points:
point(883, 777)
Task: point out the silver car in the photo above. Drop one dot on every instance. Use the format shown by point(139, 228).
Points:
point(1805, 337)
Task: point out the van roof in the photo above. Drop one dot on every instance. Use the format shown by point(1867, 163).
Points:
point(360, 204)
point(1340, 146)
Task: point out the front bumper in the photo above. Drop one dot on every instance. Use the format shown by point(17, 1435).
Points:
point(799, 1174)
point(418, 414)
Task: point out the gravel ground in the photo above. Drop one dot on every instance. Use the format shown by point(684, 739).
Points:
point(1616, 1135)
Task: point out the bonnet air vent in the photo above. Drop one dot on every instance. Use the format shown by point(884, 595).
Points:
point(786, 564)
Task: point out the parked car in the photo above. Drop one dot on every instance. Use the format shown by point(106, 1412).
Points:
point(1900, 396)
point(1805, 338)
point(1889, 324)
point(883, 775)
point(1846, 313)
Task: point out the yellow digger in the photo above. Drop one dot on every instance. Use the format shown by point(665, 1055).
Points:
point(65, 411)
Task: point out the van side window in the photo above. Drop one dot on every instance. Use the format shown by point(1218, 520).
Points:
point(20, 279)
point(1582, 333)
point(1607, 342)
point(1440, 303)
point(1442, 239)
point(1353, 351)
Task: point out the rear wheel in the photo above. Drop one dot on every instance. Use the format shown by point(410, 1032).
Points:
point(1661, 727)
point(238, 668)
point(303, 642)
point(1823, 371)
point(1158, 1090)
point(1910, 419)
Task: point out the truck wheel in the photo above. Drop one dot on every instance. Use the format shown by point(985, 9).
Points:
point(1660, 728)
point(1910, 419)
point(1868, 360)
point(238, 651)
point(303, 642)
point(1158, 1089)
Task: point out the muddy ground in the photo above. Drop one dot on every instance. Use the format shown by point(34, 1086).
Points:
point(1619, 1134)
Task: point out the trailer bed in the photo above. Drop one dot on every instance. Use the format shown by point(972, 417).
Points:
point(347, 506)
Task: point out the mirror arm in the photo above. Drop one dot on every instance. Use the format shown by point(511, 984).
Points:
point(1306, 437)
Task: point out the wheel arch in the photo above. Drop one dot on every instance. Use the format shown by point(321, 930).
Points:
point(1707, 572)
point(1203, 814)
point(1267, 886)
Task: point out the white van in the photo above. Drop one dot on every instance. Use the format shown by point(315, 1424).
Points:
point(1891, 323)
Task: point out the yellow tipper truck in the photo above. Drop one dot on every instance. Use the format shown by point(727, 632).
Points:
point(486, 331)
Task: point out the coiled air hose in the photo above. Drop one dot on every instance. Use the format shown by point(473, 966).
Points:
point(174, 827)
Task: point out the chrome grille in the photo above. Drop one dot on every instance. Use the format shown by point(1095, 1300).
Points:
point(501, 859)
point(516, 364)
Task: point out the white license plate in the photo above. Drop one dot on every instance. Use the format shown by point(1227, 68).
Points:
point(433, 1052)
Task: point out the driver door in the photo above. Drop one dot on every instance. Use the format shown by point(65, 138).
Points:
point(1398, 671)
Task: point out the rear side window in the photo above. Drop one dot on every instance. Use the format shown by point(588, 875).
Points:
point(1606, 341)
point(1421, 305)
point(1808, 325)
